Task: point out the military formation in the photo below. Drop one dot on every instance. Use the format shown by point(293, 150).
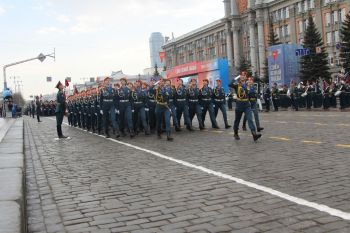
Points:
point(126, 108)
point(318, 94)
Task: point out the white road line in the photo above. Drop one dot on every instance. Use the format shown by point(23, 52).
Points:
point(297, 200)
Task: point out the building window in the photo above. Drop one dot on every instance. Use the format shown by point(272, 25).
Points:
point(223, 49)
point(306, 7)
point(312, 4)
point(329, 38)
point(331, 60)
point(212, 52)
point(190, 57)
point(336, 36)
point(335, 17)
point(328, 19)
point(343, 14)
point(326, 2)
point(301, 27)
point(287, 30)
point(300, 9)
point(306, 24)
point(277, 32)
point(201, 55)
point(287, 12)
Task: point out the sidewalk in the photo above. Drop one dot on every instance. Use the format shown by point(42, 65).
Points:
point(11, 176)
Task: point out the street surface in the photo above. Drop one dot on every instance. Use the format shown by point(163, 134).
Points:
point(201, 182)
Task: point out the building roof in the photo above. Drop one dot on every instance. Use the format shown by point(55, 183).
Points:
point(196, 31)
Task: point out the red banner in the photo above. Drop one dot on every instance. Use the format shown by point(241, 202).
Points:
point(161, 56)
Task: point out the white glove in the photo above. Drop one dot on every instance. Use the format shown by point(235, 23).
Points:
point(132, 110)
point(101, 111)
point(116, 111)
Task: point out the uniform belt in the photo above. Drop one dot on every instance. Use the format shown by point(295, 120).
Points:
point(98, 106)
point(171, 100)
point(180, 100)
point(152, 100)
point(107, 100)
point(193, 101)
point(242, 100)
point(124, 101)
point(219, 100)
point(138, 102)
point(162, 103)
point(206, 99)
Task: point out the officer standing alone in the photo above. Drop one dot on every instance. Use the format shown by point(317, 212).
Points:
point(60, 109)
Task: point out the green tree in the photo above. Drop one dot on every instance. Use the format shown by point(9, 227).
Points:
point(245, 66)
point(156, 73)
point(314, 65)
point(345, 44)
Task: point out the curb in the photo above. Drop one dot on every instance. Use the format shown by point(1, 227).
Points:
point(12, 179)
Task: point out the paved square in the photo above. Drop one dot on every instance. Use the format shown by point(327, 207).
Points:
point(91, 184)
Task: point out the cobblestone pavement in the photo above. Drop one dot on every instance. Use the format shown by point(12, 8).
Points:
point(91, 184)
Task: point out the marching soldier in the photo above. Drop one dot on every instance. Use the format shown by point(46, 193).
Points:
point(220, 102)
point(124, 105)
point(151, 105)
point(243, 106)
point(107, 105)
point(253, 97)
point(193, 103)
point(139, 100)
point(182, 105)
point(206, 101)
point(163, 110)
point(171, 90)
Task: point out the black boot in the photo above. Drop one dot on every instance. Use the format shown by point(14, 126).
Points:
point(236, 136)
point(168, 137)
point(227, 126)
point(244, 128)
point(189, 128)
point(59, 131)
point(116, 133)
point(107, 134)
point(256, 136)
point(132, 133)
point(159, 133)
point(177, 129)
point(260, 129)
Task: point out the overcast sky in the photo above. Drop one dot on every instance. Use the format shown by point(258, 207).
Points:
point(91, 37)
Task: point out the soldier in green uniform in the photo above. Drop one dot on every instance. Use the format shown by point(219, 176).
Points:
point(275, 96)
point(294, 95)
point(60, 109)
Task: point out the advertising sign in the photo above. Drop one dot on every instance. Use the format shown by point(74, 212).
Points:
point(283, 63)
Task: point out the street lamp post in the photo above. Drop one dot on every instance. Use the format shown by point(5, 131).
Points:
point(41, 57)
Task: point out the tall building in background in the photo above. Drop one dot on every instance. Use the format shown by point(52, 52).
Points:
point(243, 32)
point(156, 41)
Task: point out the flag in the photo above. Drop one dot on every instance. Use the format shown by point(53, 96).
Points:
point(161, 56)
point(76, 90)
point(67, 83)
